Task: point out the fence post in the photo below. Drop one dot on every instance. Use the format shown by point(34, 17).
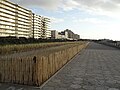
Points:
point(34, 73)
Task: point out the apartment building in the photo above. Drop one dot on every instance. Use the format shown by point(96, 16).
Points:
point(45, 26)
point(66, 34)
point(71, 35)
point(14, 20)
point(56, 35)
point(40, 27)
point(18, 22)
point(7, 18)
point(59, 35)
point(76, 36)
point(37, 26)
point(23, 22)
point(48, 34)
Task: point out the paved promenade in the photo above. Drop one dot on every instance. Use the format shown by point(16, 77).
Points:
point(95, 68)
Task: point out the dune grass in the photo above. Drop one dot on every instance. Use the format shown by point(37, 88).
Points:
point(7, 49)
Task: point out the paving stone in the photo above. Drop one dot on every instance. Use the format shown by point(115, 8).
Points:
point(89, 87)
point(75, 86)
point(101, 88)
point(60, 89)
point(113, 89)
point(48, 88)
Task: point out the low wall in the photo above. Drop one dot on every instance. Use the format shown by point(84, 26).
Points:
point(35, 70)
point(116, 44)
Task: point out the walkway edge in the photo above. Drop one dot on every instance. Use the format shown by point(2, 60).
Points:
point(62, 67)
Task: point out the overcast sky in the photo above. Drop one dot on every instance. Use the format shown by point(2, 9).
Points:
point(92, 19)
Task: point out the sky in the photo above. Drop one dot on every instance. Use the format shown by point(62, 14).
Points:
point(91, 19)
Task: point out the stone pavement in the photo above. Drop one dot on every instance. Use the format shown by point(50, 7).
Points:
point(95, 68)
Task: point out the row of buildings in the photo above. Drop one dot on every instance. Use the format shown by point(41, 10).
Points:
point(20, 22)
point(17, 21)
point(66, 34)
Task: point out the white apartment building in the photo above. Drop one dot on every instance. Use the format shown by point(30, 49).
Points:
point(7, 18)
point(14, 20)
point(37, 26)
point(20, 22)
point(48, 33)
point(23, 22)
point(40, 27)
point(45, 26)
point(54, 34)
point(59, 35)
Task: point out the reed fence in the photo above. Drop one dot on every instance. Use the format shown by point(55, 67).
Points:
point(35, 70)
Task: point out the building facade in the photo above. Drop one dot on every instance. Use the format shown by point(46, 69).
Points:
point(45, 26)
point(17, 21)
point(37, 26)
point(48, 34)
point(14, 20)
point(40, 27)
point(71, 35)
point(54, 34)
point(59, 35)
point(66, 34)
point(76, 37)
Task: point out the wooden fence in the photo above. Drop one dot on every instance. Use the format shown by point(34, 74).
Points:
point(35, 70)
